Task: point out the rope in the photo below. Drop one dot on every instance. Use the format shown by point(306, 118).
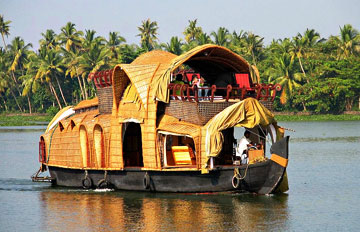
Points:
point(238, 177)
point(47, 161)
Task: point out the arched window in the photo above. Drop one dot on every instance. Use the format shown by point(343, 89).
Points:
point(84, 146)
point(99, 146)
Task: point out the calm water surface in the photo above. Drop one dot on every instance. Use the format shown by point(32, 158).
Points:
point(324, 179)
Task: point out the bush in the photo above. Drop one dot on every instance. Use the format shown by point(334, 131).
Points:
point(52, 111)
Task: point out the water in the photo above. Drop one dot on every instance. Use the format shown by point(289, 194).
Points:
point(323, 174)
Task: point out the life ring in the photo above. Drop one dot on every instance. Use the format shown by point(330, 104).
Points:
point(102, 184)
point(87, 182)
point(146, 181)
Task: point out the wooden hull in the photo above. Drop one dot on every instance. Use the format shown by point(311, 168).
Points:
point(262, 178)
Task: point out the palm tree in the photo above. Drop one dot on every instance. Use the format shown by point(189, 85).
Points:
point(348, 43)
point(113, 44)
point(93, 60)
point(70, 37)
point(30, 84)
point(4, 29)
point(203, 38)
point(174, 46)
point(192, 32)
point(20, 52)
point(298, 50)
point(148, 32)
point(237, 42)
point(221, 37)
point(50, 67)
point(71, 61)
point(50, 39)
point(254, 45)
point(283, 73)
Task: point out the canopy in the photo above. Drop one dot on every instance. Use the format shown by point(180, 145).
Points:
point(201, 58)
point(247, 113)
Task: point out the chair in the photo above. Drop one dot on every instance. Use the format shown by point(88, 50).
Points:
point(243, 80)
point(183, 155)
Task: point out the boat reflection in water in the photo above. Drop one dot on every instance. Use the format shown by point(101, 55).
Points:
point(125, 211)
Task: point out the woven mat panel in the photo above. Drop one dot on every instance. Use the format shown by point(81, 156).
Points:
point(198, 113)
point(105, 96)
point(268, 104)
point(120, 82)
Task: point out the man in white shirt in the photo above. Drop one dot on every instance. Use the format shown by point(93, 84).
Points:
point(242, 147)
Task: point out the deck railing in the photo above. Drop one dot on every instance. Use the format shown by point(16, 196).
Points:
point(266, 92)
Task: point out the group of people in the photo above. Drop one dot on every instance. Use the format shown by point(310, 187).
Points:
point(197, 81)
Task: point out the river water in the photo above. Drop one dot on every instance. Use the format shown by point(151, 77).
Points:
point(324, 195)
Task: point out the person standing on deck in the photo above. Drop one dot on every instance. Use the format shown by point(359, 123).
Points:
point(242, 146)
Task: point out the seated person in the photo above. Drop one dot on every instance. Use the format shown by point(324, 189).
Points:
point(242, 147)
point(178, 80)
point(199, 83)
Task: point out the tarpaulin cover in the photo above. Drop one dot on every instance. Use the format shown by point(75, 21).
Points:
point(247, 113)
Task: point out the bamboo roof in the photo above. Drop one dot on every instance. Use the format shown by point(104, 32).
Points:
point(87, 103)
point(151, 72)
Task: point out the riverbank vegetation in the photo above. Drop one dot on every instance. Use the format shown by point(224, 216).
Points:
point(317, 74)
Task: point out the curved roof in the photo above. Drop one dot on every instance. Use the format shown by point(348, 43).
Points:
point(206, 59)
point(154, 57)
point(151, 72)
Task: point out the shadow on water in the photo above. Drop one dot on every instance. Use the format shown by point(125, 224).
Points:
point(71, 209)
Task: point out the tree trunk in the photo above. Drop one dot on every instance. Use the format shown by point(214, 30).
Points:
point(29, 102)
point(61, 92)
point(6, 109)
point(81, 88)
point(302, 69)
point(2, 35)
point(17, 103)
point(56, 96)
point(303, 104)
point(85, 90)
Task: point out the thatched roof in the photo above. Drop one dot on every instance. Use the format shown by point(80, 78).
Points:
point(151, 72)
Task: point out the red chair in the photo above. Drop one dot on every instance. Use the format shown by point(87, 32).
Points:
point(243, 80)
point(189, 76)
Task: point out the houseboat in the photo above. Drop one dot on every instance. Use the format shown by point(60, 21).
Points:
point(168, 123)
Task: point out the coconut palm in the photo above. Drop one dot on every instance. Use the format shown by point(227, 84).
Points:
point(174, 46)
point(192, 32)
point(4, 29)
point(283, 73)
point(297, 49)
point(93, 60)
point(50, 68)
point(19, 51)
point(221, 37)
point(203, 38)
point(71, 61)
point(30, 84)
point(148, 32)
point(348, 43)
point(113, 44)
point(50, 39)
point(70, 37)
point(253, 45)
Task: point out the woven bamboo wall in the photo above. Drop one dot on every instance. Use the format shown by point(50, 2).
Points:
point(105, 95)
point(148, 129)
point(116, 148)
point(65, 147)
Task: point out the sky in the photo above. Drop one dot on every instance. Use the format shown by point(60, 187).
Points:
point(276, 19)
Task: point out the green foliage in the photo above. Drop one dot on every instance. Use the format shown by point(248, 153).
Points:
point(52, 110)
point(319, 75)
